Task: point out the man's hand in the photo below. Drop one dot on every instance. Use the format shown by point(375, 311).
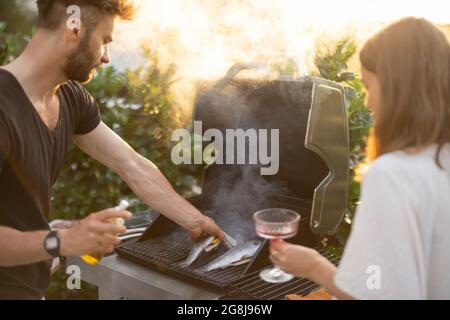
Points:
point(296, 260)
point(207, 226)
point(95, 234)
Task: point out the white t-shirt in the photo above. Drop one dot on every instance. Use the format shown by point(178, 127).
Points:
point(399, 247)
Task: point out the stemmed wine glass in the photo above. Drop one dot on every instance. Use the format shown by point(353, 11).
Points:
point(276, 224)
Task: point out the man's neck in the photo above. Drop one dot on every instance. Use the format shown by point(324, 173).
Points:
point(39, 69)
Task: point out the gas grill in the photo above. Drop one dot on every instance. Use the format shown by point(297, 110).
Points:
point(310, 114)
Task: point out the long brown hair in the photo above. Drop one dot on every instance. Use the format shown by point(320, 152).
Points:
point(411, 59)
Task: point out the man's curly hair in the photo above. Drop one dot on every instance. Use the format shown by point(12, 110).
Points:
point(51, 13)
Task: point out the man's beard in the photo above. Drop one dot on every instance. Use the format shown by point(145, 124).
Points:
point(81, 63)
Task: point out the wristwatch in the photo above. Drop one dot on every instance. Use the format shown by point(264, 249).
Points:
point(52, 244)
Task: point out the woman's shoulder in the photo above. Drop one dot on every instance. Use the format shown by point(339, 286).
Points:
point(408, 167)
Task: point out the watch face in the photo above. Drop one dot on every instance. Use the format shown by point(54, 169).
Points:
point(52, 243)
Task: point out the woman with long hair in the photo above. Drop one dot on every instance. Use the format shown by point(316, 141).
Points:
point(399, 244)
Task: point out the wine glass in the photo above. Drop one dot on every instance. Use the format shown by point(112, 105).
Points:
point(276, 224)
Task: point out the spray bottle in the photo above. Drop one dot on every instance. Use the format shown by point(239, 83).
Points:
point(95, 258)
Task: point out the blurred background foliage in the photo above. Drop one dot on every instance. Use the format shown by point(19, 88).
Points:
point(138, 105)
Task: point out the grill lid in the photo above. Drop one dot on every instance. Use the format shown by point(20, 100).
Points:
point(311, 116)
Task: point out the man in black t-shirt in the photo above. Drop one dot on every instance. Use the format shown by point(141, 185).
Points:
point(43, 108)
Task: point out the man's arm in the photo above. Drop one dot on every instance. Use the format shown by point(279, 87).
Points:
point(92, 235)
point(22, 248)
point(144, 178)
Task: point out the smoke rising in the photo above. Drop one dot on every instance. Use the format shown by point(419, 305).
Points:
point(204, 38)
point(236, 202)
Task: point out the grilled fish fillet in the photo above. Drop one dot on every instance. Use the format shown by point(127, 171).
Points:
point(233, 256)
point(197, 249)
point(208, 244)
point(230, 242)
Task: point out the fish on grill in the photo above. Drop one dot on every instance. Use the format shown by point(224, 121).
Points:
point(214, 245)
point(237, 255)
point(197, 249)
point(230, 242)
point(207, 245)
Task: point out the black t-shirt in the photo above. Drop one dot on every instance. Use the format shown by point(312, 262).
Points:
point(31, 157)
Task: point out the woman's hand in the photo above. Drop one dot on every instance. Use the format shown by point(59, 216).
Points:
point(296, 260)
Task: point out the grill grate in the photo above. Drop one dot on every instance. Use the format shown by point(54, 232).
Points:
point(253, 287)
point(166, 250)
point(167, 255)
